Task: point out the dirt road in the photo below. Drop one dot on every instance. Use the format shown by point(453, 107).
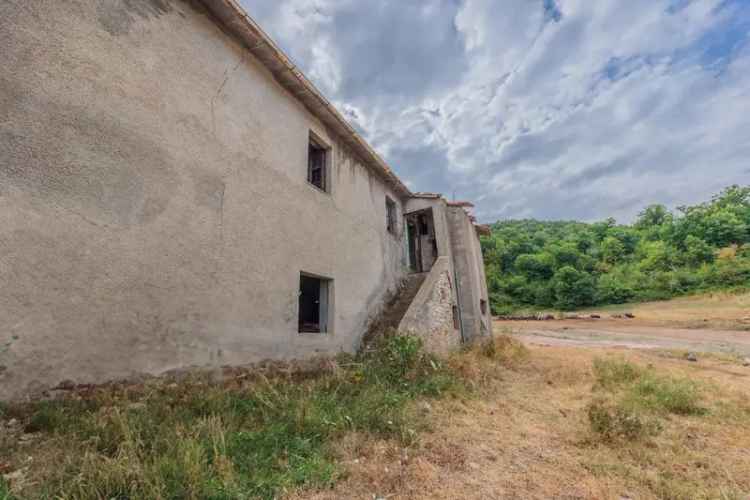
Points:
point(628, 334)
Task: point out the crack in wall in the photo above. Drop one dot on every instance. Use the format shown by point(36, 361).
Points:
point(227, 75)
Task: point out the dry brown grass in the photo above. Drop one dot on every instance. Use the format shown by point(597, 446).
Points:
point(720, 310)
point(524, 432)
point(528, 436)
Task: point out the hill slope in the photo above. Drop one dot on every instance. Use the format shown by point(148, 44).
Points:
point(569, 265)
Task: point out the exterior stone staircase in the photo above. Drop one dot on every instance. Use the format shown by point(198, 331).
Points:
point(395, 310)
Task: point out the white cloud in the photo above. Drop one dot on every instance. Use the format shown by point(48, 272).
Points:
point(538, 108)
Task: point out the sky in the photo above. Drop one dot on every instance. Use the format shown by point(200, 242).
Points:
point(552, 109)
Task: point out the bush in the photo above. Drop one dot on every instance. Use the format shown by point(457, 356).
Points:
point(668, 394)
point(572, 288)
point(620, 422)
point(611, 373)
point(640, 396)
point(568, 265)
point(610, 290)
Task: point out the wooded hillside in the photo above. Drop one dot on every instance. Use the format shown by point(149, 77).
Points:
point(567, 265)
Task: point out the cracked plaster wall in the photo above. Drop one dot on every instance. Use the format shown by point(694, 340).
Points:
point(154, 209)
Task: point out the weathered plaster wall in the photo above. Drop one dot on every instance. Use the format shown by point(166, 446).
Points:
point(441, 223)
point(154, 209)
point(469, 268)
point(430, 315)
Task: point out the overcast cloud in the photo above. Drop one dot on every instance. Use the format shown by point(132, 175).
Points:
point(554, 109)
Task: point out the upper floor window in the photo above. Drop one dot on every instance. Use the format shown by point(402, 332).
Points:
point(317, 164)
point(390, 215)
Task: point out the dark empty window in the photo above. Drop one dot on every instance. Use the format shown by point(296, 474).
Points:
point(313, 304)
point(317, 159)
point(483, 306)
point(455, 318)
point(390, 215)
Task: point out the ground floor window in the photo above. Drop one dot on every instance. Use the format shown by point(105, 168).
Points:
point(483, 307)
point(314, 303)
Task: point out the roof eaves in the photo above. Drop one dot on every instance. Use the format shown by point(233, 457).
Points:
point(234, 18)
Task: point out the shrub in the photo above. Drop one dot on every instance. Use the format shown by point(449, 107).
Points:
point(613, 422)
point(572, 288)
point(668, 394)
point(504, 349)
point(640, 396)
point(611, 290)
point(610, 373)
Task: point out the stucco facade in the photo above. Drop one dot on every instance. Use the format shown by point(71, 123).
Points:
point(155, 209)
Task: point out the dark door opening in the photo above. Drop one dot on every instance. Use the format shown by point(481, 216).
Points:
point(415, 252)
point(423, 250)
point(313, 304)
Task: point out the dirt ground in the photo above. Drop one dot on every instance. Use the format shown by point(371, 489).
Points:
point(717, 323)
point(527, 436)
point(628, 333)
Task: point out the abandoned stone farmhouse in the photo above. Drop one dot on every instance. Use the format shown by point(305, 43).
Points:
point(174, 193)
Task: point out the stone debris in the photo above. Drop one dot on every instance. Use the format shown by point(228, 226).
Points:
point(746, 362)
point(691, 356)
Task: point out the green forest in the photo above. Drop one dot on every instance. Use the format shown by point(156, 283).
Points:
point(567, 265)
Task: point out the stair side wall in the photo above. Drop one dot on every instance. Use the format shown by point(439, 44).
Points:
point(430, 315)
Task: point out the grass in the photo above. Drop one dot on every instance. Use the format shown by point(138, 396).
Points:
point(5, 491)
point(644, 388)
point(721, 310)
point(631, 399)
point(495, 420)
point(256, 439)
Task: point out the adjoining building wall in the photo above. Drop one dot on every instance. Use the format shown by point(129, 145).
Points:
point(154, 207)
point(471, 285)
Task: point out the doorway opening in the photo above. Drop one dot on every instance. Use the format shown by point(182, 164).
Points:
point(423, 250)
point(314, 303)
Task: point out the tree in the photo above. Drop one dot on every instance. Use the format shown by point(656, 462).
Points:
point(569, 264)
point(612, 250)
point(698, 251)
point(611, 289)
point(565, 254)
point(723, 228)
point(653, 215)
point(572, 288)
point(655, 256)
point(538, 266)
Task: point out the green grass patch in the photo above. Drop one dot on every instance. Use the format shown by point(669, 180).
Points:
point(197, 440)
point(632, 400)
point(5, 490)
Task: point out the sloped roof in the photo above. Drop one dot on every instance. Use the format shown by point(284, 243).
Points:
point(233, 19)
